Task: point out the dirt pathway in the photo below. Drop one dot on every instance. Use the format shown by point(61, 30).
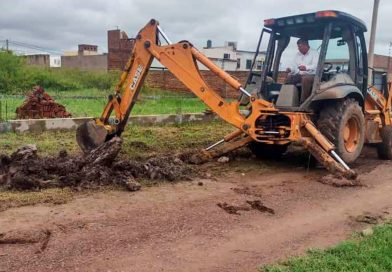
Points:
point(180, 227)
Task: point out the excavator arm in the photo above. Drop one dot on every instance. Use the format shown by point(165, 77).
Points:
point(182, 59)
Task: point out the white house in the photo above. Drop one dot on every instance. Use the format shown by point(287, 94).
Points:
point(229, 58)
point(55, 61)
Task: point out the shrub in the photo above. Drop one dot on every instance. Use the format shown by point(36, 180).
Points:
point(18, 77)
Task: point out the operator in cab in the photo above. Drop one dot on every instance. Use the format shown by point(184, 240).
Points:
point(303, 68)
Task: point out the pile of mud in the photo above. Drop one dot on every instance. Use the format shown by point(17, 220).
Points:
point(26, 170)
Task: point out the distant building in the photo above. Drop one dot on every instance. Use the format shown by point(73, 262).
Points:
point(40, 60)
point(381, 64)
point(43, 60)
point(87, 50)
point(86, 58)
point(119, 49)
point(83, 50)
point(55, 61)
point(229, 58)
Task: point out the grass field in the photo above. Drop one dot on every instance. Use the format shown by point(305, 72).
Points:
point(91, 102)
point(137, 140)
point(371, 253)
point(83, 93)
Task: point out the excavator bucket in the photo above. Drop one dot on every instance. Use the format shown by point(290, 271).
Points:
point(90, 135)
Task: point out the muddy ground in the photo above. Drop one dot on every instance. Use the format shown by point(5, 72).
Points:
point(24, 169)
point(237, 216)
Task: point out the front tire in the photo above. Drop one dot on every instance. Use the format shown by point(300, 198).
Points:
point(343, 123)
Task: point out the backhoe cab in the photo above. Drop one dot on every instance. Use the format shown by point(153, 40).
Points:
point(329, 122)
point(339, 82)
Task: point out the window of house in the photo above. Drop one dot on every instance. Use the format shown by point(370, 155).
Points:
point(248, 64)
point(238, 63)
point(226, 56)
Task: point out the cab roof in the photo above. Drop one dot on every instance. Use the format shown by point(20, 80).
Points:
point(308, 23)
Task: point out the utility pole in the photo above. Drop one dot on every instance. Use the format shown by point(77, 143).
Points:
point(372, 39)
point(6, 45)
point(389, 61)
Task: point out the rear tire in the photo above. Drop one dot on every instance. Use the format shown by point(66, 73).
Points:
point(267, 151)
point(343, 123)
point(384, 149)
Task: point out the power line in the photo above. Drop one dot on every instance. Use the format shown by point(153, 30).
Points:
point(32, 46)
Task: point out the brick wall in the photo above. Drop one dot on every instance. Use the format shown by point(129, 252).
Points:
point(163, 79)
point(119, 48)
point(41, 60)
point(93, 62)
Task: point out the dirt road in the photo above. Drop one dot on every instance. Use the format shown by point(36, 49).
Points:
point(181, 228)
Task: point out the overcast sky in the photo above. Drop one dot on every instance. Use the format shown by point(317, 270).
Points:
point(61, 25)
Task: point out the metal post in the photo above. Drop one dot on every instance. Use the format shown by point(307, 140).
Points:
point(372, 39)
point(213, 145)
point(245, 92)
point(389, 62)
point(339, 159)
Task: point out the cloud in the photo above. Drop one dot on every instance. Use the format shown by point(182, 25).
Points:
point(61, 25)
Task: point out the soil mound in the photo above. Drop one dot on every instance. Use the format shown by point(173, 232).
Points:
point(26, 170)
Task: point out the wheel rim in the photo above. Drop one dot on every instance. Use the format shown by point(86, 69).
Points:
point(351, 135)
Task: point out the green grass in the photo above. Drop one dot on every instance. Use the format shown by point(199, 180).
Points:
point(371, 253)
point(92, 101)
point(18, 77)
point(138, 140)
point(83, 93)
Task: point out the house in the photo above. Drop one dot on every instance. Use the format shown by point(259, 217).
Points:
point(43, 60)
point(229, 58)
point(381, 64)
point(86, 58)
point(119, 49)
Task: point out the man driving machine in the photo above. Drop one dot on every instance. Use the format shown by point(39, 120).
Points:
point(303, 68)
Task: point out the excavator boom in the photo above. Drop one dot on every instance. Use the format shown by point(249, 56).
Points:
point(181, 60)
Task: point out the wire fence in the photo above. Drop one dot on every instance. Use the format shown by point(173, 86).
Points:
point(90, 106)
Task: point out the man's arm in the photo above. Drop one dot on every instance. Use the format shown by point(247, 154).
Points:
point(314, 61)
point(293, 68)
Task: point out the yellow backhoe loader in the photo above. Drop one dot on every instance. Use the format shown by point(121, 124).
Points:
point(341, 113)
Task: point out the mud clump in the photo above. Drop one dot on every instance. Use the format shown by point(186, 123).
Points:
point(26, 170)
point(339, 181)
point(195, 157)
point(257, 205)
point(254, 204)
point(371, 219)
point(232, 209)
point(34, 236)
point(247, 191)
